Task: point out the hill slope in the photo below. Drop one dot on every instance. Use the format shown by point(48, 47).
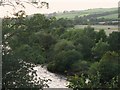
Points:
point(104, 12)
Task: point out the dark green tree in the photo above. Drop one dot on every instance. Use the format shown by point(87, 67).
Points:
point(101, 35)
point(17, 55)
point(113, 41)
point(100, 49)
point(109, 66)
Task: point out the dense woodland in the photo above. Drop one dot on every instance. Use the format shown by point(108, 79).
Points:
point(77, 54)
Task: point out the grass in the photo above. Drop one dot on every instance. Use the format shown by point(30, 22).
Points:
point(113, 16)
point(99, 10)
point(70, 15)
point(108, 28)
point(81, 13)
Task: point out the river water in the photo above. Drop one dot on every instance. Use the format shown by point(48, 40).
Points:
point(57, 81)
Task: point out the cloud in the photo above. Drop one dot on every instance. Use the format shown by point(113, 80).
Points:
point(61, 5)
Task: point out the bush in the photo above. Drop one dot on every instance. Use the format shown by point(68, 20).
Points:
point(107, 67)
point(64, 60)
point(80, 67)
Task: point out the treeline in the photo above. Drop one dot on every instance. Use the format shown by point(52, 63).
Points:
point(42, 40)
point(92, 18)
point(86, 20)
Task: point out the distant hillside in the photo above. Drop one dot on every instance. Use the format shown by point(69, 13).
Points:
point(109, 13)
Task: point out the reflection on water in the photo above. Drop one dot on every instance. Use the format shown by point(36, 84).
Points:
point(58, 81)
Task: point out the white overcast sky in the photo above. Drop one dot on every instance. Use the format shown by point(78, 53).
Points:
point(62, 5)
point(81, 4)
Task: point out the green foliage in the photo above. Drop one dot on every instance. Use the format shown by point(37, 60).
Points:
point(64, 61)
point(64, 45)
point(28, 55)
point(100, 49)
point(72, 34)
point(58, 32)
point(114, 83)
point(89, 31)
point(93, 68)
point(86, 43)
point(62, 23)
point(79, 82)
point(38, 23)
point(108, 66)
point(80, 67)
point(101, 35)
point(42, 40)
point(15, 74)
point(114, 41)
point(19, 53)
point(84, 40)
point(76, 83)
point(91, 82)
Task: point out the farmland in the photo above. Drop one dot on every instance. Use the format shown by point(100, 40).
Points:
point(108, 28)
point(82, 13)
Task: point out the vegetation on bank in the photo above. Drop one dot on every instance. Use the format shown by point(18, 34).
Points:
point(84, 53)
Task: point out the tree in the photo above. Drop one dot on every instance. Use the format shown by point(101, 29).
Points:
point(16, 55)
point(91, 82)
point(109, 65)
point(15, 74)
point(89, 31)
point(85, 45)
point(64, 23)
point(43, 39)
point(93, 69)
point(42, 44)
point(18, 71)
point(38, 23)
point(101, 35)
point(113, 41)
point(80, 67)
point(100, 49)
point(63, 61)
point(64, 45)
point(82, 81)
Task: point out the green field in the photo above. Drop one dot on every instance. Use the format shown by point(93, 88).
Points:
point(99, 10)
point(114, 16)
point(72, 14)
point(108, 28)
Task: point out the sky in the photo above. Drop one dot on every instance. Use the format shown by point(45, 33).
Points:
point(64, 5)
point(60, 5)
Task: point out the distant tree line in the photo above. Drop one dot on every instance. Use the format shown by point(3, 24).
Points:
point(93, 19)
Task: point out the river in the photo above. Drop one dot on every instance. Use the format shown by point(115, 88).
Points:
point(57, 81)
